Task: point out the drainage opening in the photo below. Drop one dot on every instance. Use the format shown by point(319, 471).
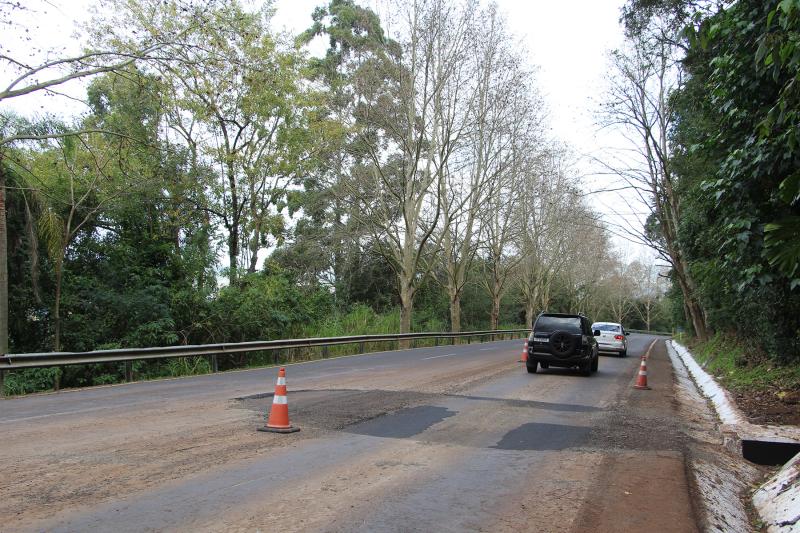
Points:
point(771, 453)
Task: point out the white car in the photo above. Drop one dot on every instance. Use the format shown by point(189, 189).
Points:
point(612, 338)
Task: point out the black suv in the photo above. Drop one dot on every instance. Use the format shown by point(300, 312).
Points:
point(562, 340)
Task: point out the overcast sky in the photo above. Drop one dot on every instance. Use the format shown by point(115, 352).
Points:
point(568, 42)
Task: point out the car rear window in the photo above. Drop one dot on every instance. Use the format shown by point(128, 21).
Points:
point(548, 324)
point(606, 327)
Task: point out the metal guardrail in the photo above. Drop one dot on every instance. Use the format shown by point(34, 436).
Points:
point(667, 333)
point(50, 359)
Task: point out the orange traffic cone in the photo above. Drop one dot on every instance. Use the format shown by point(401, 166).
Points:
point(279, 414)
point(524, 357)
point(641, 380)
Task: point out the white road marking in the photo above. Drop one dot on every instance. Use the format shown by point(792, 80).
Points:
point(438, 356)
point(485, 349)
point(647, 354)
point(76, 412)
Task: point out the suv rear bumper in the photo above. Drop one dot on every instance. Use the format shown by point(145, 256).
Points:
point(552, 360)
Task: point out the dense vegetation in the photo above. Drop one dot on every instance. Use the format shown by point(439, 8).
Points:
point(729, 170)
point(224, 186)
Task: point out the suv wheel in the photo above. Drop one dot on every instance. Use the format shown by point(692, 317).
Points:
point(586, 368)
point(531, 366)
point(595, 362)
point(562, 343)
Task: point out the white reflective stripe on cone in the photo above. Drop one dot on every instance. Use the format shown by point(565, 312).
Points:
point(281, 381)
point(279, 400)
point(642, 372)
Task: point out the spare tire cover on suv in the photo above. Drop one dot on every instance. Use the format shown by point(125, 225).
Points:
point(562, 343)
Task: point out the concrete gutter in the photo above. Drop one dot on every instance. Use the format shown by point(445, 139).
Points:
point(778, 500)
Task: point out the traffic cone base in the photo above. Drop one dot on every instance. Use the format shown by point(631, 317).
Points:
point(278, 421)
point(278, 430)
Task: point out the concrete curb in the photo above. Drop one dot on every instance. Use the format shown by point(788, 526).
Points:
point(734, 423)
point(720, 477)
point(726, 409)
point(778, 500)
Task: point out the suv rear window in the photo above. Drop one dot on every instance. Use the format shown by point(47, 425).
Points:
point(549, 324)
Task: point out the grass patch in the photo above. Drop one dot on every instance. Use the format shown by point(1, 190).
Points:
point(741, 368)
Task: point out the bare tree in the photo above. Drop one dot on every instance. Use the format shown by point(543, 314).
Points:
point(585, 276)
point(409, 128)
point(549, 215)
point(621, 290)
point(646, 72)
point(498, 113)
point(649, 288)
point(502, 231)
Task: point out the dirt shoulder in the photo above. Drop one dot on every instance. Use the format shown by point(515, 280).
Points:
point(642, 483)
point(767, 407)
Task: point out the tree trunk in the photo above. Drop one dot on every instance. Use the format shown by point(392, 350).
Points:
point(494, 318)
point(253, 254)
point(255, 239)
point(59, 267)
point(530, 316)
point(455, 312)
point(695, 313)
point(233, 253)
point(406, 308)
point(233, 240)
point(3, 263)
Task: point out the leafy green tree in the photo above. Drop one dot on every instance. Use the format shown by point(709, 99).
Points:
point(114, 48)
point(328, 242)
point(245, 113)
point(737, 157)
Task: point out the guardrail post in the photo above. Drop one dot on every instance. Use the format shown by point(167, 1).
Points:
point(2, 382)
point(436, 341)
point(325, 352)
point(128, 371)
point(214, 363)
point(361, 347)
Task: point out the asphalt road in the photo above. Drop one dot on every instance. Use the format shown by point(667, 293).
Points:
point(454, 438)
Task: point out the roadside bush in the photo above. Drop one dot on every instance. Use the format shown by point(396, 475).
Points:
point(742, 366)
point(31, 380)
